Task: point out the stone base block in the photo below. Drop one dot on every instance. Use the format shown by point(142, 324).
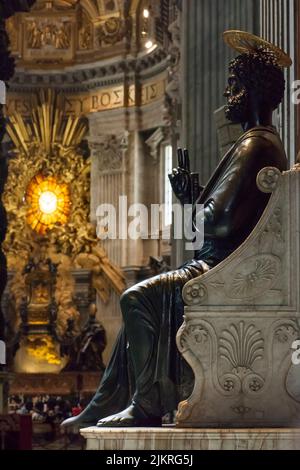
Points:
point(171, 438)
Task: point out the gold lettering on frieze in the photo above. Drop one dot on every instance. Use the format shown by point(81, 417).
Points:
point(152, 91)
point(93, 102)
point(18, 105)
point(107, 99)
point(118, 99)
point(131, 96)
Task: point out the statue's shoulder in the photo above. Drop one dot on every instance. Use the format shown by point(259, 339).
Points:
point(264, 143)
point(263, 136)
point(260, 139)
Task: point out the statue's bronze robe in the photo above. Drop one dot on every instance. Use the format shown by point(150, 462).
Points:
point(145, 363)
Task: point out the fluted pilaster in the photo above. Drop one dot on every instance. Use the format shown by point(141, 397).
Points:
point(205, 62)
point(278, 25)
point(205, 59)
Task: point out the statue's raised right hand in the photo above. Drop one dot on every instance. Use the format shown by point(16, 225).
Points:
point(180, 178)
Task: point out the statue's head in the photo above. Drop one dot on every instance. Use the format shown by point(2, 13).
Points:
point(255, 83)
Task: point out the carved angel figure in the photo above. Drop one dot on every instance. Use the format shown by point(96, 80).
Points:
point(34, 40)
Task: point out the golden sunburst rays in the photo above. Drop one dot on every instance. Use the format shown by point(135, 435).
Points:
point(49, 203)
point(47, 125)
point(45, 139)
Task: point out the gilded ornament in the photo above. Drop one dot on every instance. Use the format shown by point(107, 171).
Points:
point(53, 145)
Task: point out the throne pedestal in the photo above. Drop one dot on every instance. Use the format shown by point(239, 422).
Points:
point(176, 439)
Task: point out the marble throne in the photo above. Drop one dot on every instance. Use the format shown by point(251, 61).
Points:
point(242, 319)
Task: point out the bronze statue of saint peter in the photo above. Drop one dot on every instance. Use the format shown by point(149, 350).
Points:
point(146, 376)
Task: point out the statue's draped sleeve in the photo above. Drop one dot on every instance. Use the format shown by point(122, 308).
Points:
point(234, 199)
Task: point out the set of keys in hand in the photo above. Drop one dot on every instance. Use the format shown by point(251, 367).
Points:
point(185, 184)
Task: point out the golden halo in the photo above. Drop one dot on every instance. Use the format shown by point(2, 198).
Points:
point(246, 42)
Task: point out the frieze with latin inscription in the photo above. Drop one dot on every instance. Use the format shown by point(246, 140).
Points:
point(93, 102)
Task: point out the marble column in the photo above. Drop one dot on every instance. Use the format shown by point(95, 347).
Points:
point(108, 181)
point(278, 25)
point(124, 166)
point(107, 185)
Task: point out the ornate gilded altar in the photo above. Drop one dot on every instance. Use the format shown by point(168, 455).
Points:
point(37, 346)
point(50, 244)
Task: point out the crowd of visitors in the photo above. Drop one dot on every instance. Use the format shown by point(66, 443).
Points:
point(46, 409)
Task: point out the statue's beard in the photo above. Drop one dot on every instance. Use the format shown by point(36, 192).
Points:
point(237, 108)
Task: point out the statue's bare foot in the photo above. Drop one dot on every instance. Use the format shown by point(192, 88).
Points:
point(78, 422)
point(88, 417)
point(131, 416)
